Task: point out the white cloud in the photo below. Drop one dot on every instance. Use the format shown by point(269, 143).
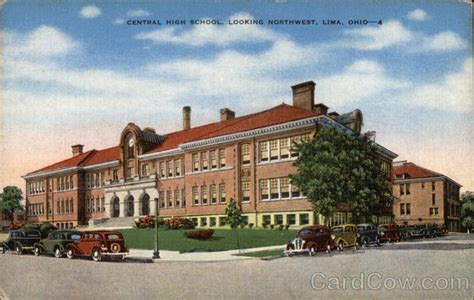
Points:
point(138, 13)
point(212, 34)
point(362, 80)
point(452, 93)
point(119, 21)
point(42, 42)
point(443, 41)
point(376, 38)
point(90, 11)
point(417, 15)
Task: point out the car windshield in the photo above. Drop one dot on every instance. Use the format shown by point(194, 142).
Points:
point(74, 236)
point(336, 229)
point(361, 228)
point(32, 234)
point(113, 236)
point(383, 227)
point(305, 232)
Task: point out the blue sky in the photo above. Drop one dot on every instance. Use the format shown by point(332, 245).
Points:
point(77, 73)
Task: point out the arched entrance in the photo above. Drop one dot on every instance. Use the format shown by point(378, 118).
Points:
point(130, 206)
point(115, 207)
point(145, 205)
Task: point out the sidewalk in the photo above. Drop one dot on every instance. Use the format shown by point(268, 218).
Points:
point(166, 255)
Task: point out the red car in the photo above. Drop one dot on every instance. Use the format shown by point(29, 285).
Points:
point(98, 244)
point(389, 233)
point(311, 239)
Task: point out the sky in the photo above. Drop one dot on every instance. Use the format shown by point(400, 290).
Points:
point(79, 72)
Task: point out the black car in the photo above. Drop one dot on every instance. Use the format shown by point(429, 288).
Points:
point(424, 231)
point(20, 240)
point(368, 234)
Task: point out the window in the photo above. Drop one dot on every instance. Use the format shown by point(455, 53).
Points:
point(263, 186)
point(408, 211)
point(169, 202)
point(295, 191)
point(433, 186)
point(402, 189)
point(213, 159)
point(195, 221)
point(183, 198)
point(285, 187)
point(195, 195)
point(130, 146)
point(212, 222)
point(204, 161)
point(222, 221)
point(115, 174)
point(266, 219)
point(293, 141)
point(97, 204)
point(284, 148)
point(433, 211)
point(407, 188)
point(245, 220)
point(221, 158)
point(278, 219)
point(161, 199)
point(433, 199)
point(176, 198)
point(263, 151)
point(130, 172)
point(273, 149)
point(304, 219)
point(203, 194)
point(203, 221)
point(422, 185)
point(222, 195)
point(145, 170)
point(195, 162)
point(177, 167)
point(274, 188)
point(245, 188)
point(402, 208)
point(291, 219)
point(213, 194)
point(245, 154)
point(169, 168)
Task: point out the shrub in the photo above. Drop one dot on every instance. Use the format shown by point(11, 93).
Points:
point(287, 226)
point(264, 225)
point(271, 226)
point(45, 228)
point(250, 225)
point(199, 234)
point(280, 227)
point(179, 223)
point(148, 222)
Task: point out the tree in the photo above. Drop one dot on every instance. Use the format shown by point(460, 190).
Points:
point(10, 201)
point(467, 210)
point(338, 168)
point(234, 218)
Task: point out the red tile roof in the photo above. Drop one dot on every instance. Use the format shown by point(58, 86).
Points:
point(280, 114)
point(412, 171)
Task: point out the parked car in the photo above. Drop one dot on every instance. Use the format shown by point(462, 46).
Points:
point(406, 231)
point(345, 235)
point(20, 240)
point(389, 233)
point(56, 242)
point(311, 239)
point(16, 225)
point(368, 234)
point(98, 244)
point(424, 231)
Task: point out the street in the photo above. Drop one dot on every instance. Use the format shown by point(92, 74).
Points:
point(439, 268)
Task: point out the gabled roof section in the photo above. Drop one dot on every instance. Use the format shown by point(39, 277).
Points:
point(67, 163)
point(102, 156)
point(413, 171)
point(280, 114)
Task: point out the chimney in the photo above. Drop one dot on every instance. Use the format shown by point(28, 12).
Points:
point(186, 117)
point(320, 109)
point(303, 95)
point(227, 114)
point(77, 150)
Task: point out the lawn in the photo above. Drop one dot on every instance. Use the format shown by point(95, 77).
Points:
point(223, 239)
point(265, 253)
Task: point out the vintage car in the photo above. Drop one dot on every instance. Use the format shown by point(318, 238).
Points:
point(20, 240)
point(345, 235)
point(311, 239)
point(368, 234)
point(406, 231)
point(98, 244)
point(56, 242)
point(424, 231)
point(389, 233)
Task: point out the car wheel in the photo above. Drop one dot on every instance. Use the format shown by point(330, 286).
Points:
point(340, 246)
point(378, 242)
point(96, 256)
point(365, 243)
point(70, 254)
point(328, 248)
point(18, 250)
point(3, 250)
point(312, 251)
point(37, 251)
point(58, 253)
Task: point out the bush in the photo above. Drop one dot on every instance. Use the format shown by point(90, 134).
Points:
point(179, 223)
point(271, 226)
point(199, 234)
point(287, 226)
point(250, 225)
point(45, 228)
point(148, 222)
point(264, 225)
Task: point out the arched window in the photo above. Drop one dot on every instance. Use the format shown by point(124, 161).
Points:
point(130, 146)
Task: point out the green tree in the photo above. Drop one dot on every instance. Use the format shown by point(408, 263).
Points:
point(10, 201)
point(467, 210)
point(336, 168)
point(234, 218)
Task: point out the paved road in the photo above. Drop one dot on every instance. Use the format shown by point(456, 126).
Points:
point(29, 277)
